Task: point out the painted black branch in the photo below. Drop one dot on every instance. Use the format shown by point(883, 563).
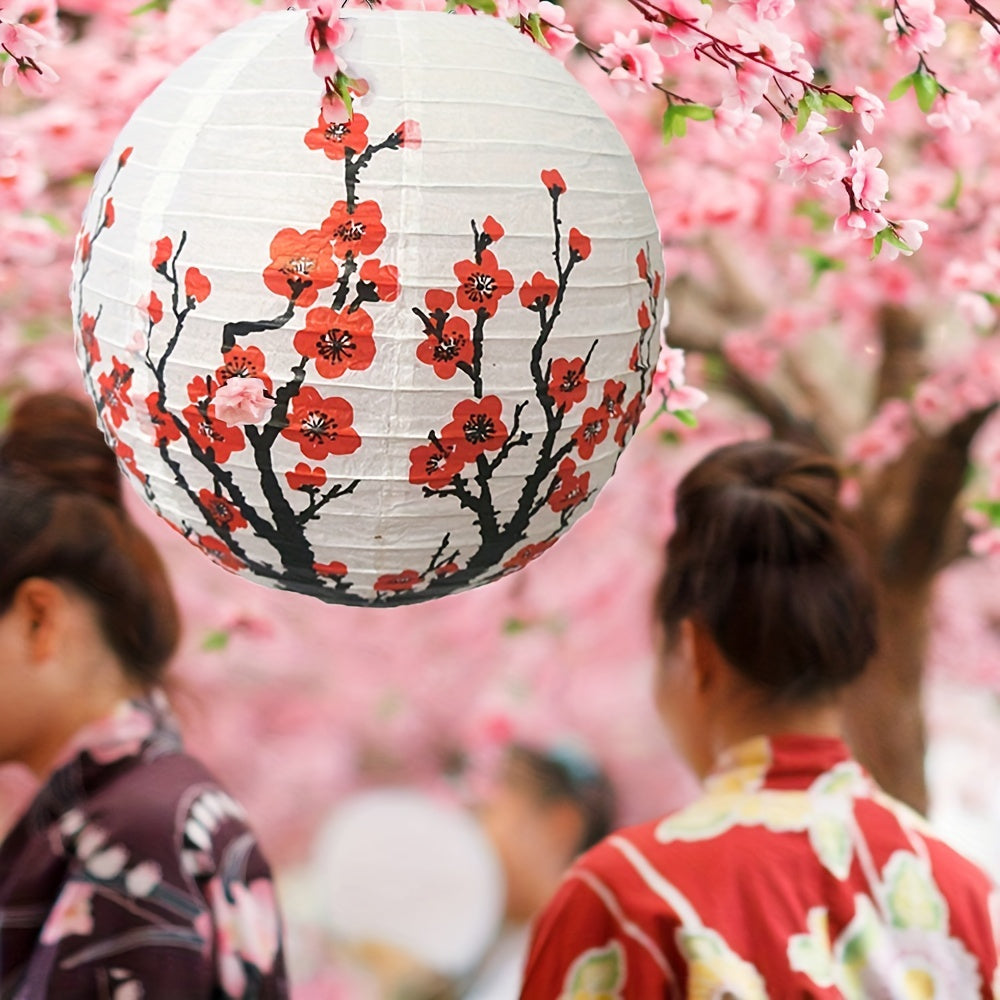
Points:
point(243, 327)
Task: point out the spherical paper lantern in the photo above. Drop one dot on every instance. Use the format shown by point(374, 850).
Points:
point(376, 362)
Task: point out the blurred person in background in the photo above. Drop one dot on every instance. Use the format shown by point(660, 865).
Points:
point(548, 806)
point(132, 875)
point(793, 875)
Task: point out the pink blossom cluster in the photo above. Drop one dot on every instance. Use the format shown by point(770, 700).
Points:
point(26, 27)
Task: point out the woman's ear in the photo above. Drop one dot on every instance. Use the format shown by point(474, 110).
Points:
point(703, 654)
point(38, 607)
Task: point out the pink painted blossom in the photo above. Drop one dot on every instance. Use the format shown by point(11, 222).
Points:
point(243, 401)
point(71, 913)
point(955, 111)
point(633, 66)
point(869, 182)
point(868, 107)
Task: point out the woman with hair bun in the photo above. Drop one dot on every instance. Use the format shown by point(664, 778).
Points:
point(793, 875)
point(132, 875)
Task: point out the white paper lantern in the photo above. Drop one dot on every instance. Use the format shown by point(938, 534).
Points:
point(380, 362)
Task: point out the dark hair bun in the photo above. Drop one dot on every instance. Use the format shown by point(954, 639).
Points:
point(53, 441)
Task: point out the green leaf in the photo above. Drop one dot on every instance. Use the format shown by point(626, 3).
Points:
point(837, 102)
point(535, 27)
point(696, 112)
point(991, 508)
point(686, 417)
point(877, 243)
point(926, 89)
point(679, 126)
point(901, 87)
point(56, 224)
point(486, 6)
point(951, 202)
point(813, 210)
point(514, 626)
point(891, 237)
point(803, 116)
point(820, 263)
point(992, 297)
point(215, 641)
point(152, 5)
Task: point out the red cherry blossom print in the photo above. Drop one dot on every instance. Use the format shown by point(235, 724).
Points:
point(530, 552)
point(438, 298)
point(408, 134)
point(211, 434)
point(84, 249)
point(475, 428)
point(447, 569)
point(219, 553)
point(359, 233)
point(165, 429)
point(152, 306)
point(124, 155)
point(571, 489)
point(629, 421)
point(126, 456)
point(633, 361)
point(642, 265)
point(304, 477)
point(336, 139)
point(109, 214)
point(301, 264)
point(482, 285)
point(567, 382)
point(657, 277)
point(447, 350)
point(198, 389)
point(614, 395)
point(197, 287)
point(245, 362)
point(642, 316)
point(163, 248)
point(396, 582)
point(553, 180)
point(538, 292)
point(385, 278)
point(592, 431)
point(321, 426)
point(334, 569)
point(220, 511)
point(492, 228)
point(113, 389)
point(337, 341)
point(579, 245)
point(91, 347)
point(434, 464)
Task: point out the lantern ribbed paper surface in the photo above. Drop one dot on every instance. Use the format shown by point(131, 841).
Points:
point(375, 362)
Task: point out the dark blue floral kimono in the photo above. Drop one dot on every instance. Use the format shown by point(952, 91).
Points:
point(133, 876)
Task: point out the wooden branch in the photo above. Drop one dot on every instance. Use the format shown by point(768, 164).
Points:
point(902, 336)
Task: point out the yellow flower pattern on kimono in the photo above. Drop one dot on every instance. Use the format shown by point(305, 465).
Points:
point(598, 974)
point(715, 971)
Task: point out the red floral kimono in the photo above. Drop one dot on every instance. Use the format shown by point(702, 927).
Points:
point(794, 876)
point(133, 876)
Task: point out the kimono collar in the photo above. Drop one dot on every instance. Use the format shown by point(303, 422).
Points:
point(791, 761)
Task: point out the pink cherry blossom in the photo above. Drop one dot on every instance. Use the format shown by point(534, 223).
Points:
point(916, 28)
point(243, 401)
point(990, 49)
point(911, 232)
point(868, 107)
point(738, 125)
point(678, 31)
point(633, 65)
point(860, 224)
point(955, 111)
point(869, 182)
point(808, 155)
point(765, 39)
point(885, 437)
point(767, 10)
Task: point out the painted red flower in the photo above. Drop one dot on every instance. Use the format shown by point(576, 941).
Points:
point(88, 338)
point(568, 382)
point(482, 285)
point(359, 233)
point(219, 552)
point(445, 351)
point(336, 139)
point(220, 511)
point(152, 307)
point(113, 389)
point(124, 155)
point(337, 341)
point(579, 245)
point(109, 214)
point(633, 360)
point(629, 421)
point(247, 362)
point(571, 489)
point(321, 426)
point(198, 389)
point(301, 264)
point(642, 316)
point(385, 278)
point(85, 247)
point(163, 249)
point(475, 428)
point(334, 569)
point(212, 434)
point(304, 477)
point(656, 284)
point(126, 458)
point(614, 394)
point(447, 569)
point(165, 428)
point(530, 552)
point(553, 180)
point(492, 228)
point(396, 582)
point(538, 292)
point(438, 298)
point(197, 287)
point(408, 134)
point(592, 431)
point(434, 464)
point(642, 264)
